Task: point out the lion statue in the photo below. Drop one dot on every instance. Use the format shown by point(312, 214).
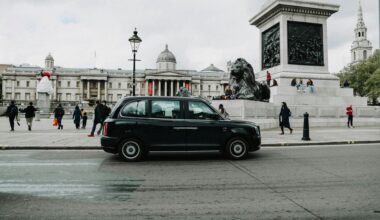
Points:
point(242, 80)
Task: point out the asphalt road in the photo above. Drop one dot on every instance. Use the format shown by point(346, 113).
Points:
point(315, 182)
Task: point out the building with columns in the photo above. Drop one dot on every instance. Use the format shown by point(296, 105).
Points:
point(85, 85)
point(361, 48)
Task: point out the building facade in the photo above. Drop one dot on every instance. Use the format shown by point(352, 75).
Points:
point(361, 48)
point(80, 85)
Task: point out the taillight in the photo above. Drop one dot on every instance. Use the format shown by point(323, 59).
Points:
point(105, 127)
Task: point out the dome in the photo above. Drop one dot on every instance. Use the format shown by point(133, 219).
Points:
point(212, 68)
point(49, 57)
point(166, 56)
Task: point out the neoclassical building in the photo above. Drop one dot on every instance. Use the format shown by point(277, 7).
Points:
point(361, 48)
point(82, 85)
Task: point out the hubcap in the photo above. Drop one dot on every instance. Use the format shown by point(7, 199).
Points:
point(131, 150)
point(238, 148)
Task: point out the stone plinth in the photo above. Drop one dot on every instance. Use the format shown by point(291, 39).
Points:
point(43, 103)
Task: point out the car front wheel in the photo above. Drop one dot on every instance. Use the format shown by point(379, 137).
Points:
point(236, 148)
point(131, 150)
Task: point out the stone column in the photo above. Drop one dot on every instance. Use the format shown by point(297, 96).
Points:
point(190, 88)
point(81, 91)
point(56, 88)
point(171, 88)
point(13, 89)
point(106, 90)
point(177, 85)
point(199, 86)
point(166, 88)
point(98, 90)
point(153, 87)
point(159, 87)
point(146, 87)
point(88, 89)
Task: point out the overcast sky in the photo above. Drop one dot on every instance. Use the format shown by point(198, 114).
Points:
point(198, 32)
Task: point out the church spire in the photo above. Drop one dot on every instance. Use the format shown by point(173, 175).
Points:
point(360, 23)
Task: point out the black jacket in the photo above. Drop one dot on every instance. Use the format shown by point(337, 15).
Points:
point(12, 111)
point(59, 112)
point(29, 111)
point(284, 116)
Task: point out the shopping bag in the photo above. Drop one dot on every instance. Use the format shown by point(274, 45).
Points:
point(55, 122)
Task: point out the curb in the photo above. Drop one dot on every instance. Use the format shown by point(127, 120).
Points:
point(4, 147)
point(320, 143)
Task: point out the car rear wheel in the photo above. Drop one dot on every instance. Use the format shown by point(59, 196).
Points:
point(236, 148)
point(131, 150)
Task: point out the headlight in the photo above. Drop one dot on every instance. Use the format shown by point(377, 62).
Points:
point(257, 129)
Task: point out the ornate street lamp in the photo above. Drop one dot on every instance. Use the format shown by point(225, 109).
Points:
point(135, 43)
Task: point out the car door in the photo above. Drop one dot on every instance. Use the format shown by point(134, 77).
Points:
point(167, 125)
point(203, 130)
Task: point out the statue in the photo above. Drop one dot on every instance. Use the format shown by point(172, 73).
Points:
point(243, 82)
point(183, 92)
point(44, 89)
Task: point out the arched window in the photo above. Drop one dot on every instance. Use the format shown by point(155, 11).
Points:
point(362, 34)
point(359, 34)
point(364, 54)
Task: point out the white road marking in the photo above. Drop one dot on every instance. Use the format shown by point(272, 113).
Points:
point(21, 164)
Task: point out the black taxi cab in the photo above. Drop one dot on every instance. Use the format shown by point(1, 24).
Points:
point(138, 125)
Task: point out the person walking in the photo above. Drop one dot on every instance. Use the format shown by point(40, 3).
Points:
point(29, 115)
point(105, 113)
point(285, 113)
point(97, 117)
point(223, 111)
point(349, 116)
point(59, 112)
point(12, 113)
point(269, 78)
point(83, 115)
point(76, 117)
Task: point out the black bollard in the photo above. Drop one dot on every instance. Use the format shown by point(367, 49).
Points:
point(306, 136)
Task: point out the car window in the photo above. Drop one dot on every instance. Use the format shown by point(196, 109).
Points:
point(200, 110)
point(135, 109)
point(166, 109)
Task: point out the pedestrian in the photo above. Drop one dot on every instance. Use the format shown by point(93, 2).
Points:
point(293, 82)
point(346, 84)
point(12, 113)
point(285, 113)
point(223, 111)
point(76, 117)
point(97, 117)
point(268, 78)
point(84, 120)
point(300, 86)
point(310, 85)
point(274, 83)
point(29, 115)
point(59, 112)
point(349, 116)
point(105, 113)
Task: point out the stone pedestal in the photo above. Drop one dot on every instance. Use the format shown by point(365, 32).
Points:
point(43, 103)
point(294, 45)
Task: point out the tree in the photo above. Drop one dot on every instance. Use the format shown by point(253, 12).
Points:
point(364, 77)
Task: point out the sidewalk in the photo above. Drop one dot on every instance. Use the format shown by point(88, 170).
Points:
point(45, 136)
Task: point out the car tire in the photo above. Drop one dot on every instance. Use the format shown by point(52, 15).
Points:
point(236, 148)
point(131, 150)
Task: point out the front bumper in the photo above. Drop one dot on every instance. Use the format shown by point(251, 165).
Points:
point(109, 144)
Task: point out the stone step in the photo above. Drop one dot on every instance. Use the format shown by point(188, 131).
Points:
point(310, 99)
point(318, 91)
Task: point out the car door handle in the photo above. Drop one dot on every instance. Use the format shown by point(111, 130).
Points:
point(185, 128)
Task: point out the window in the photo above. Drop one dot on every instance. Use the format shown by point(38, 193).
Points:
point(27, 96)
point(68, 96)
point(135, 109)
point(119, 96)
point(119, 85)
point(18, 83)
point(59, 96)
point(195, 87)
point(78, 84)
point(365, 54)
point(17, 96)
point(27, 83)
point(201, 87)
point(359, 34)
point(166, 109)
point(68, 83)
point(199, 110)
point(9, 95)
point(110, 85)
point(77, 97)
point(59, 83)
point(217, 87)
point(209, 87)
point(110, 97)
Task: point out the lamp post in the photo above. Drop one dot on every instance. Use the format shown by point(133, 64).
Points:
point(135, 43)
